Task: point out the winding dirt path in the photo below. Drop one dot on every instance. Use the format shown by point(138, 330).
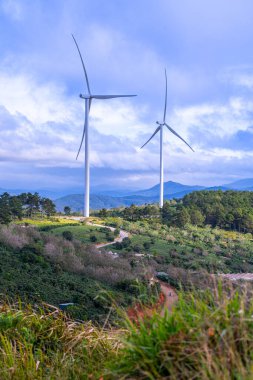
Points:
point(170, 295)
point(122, 235)
point(168, 292)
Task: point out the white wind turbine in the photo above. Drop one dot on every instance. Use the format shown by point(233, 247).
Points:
point(160, 128)
point(88, 99)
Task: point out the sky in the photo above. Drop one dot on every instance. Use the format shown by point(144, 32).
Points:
point(206, 47)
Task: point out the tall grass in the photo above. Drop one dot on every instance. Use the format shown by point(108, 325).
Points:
point(46, 345)
point(209, 335)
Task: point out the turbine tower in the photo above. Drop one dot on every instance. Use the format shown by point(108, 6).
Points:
point(88, 99)
point(160, 128)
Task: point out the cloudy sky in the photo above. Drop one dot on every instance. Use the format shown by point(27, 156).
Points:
point(206, 47)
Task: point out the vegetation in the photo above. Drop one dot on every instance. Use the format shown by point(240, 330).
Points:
point(49, 260)
point(85, 233)
point(40, 267)
point(25, 204)
point(230, 210)
point(192, 248)
point(208, 335)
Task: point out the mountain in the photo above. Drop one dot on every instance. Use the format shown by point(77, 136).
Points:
point(76, 201)
point(170, 188)
point(121, 198)
point(242, 184)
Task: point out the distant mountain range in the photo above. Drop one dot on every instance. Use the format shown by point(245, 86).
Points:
point(104, 197)
point(117, 198)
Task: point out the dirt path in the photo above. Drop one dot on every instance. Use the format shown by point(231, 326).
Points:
point(170, 295)
point(122, 235)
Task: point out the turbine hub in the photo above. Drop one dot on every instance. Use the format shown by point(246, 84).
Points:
point(85, 96)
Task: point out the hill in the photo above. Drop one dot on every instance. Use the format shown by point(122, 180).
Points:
point(115, 199)
point(170, 188)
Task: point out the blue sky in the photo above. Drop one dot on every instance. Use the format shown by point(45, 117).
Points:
point(206, 47)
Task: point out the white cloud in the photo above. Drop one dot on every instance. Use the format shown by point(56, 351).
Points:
point(40, 123)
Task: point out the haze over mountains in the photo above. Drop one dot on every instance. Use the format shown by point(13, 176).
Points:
point(103, 197)
point(117, 198)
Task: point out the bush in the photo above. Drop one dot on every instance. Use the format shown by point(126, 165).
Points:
point(93, 238)
point(67, 235)
point(116, 232)
point(110, 238)
point(146, 245)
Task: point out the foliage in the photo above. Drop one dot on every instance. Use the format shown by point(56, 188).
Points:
point(45, 344)
point(39, 266)
point(207, 336)
point(192, 248)
point(25, 204)
point(231, 210)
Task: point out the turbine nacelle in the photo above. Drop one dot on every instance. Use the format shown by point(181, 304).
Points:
point(85, 96)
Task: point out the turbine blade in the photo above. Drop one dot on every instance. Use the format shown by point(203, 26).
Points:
point(80, 147)
point(157, 130)
point(176, 134)
point(111, 96)
point(84, 69)
point(165, 104)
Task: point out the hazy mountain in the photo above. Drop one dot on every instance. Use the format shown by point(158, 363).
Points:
point(170, 188)
point(110, 198)
point(98, 201)
point(242, 184)
point(76, 201)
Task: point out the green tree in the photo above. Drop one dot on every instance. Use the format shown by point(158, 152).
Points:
point(47, 206)
point(103, 213)
point(197, 218)
point(5, 211)
point(16, 207)
point(183, 217)
point(67, 210)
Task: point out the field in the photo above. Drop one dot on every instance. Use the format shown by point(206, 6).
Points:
point(85, 233)
point(192, 248)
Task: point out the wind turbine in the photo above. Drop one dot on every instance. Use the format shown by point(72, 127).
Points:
point(160, 128)
point(88, 99)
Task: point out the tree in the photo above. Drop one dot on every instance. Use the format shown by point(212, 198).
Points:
point(183, 217)
point(103, 213)
point(33, 203)
point(67, 210)
point(48, 206)
point(5, 211)
point(15, 205)
point(197, 218)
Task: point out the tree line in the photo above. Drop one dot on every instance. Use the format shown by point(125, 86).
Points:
point(231, 210)
point(24, 205)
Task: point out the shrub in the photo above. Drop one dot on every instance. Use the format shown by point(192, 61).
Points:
point(146, 245)
point(116, 232)
point(93, 238)
point(67, 235)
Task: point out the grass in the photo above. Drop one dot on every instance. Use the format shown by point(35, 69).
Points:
point(83, 233)
point(43, 222)
point(45, 344)
point(208, 335)
point(191, 248)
